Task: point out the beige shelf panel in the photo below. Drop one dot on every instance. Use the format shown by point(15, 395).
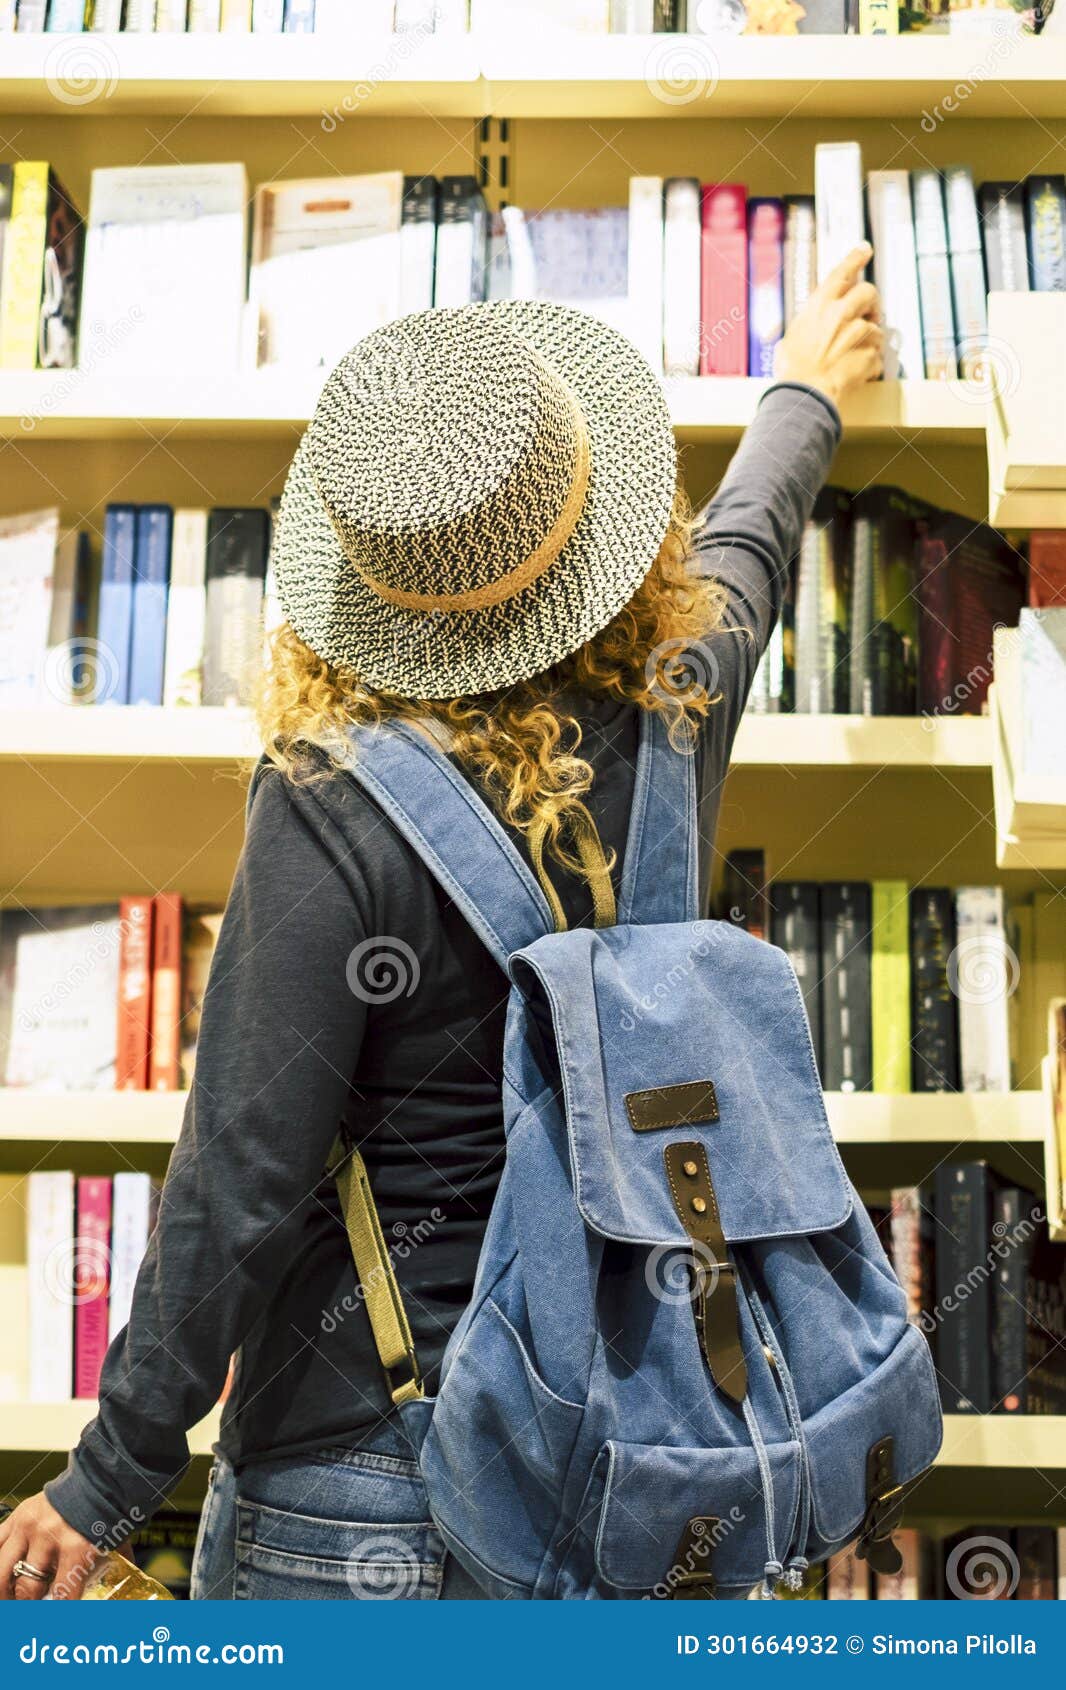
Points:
point(39, 1427)
point(867, 742)
point(91, 1117)
point(550, 75)
point(74, 405)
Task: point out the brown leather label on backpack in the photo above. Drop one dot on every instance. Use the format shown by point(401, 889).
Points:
point(672, 1106)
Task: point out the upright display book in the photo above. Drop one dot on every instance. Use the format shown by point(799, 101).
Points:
point(934, 1010)
point(134, 994)
point(883, 658)
point(968, 288)
point(418, 242)
point(984, 979)
point(581, 258)
point(846, 1030)
point(151, 582)
point(28, 546)
point(186, 610)
point(237, 545)
point(766, 295)
point(114, 628)
point(890, 987)
point(682, 239)
point(934, 276)
point(794, 926)
point(1045, 200)
point(41, 275)
point(970, 581)
point(838, 200)
point(645, 265)
point(801, 258)
point(58, 1042)
point(131, 1221)
point(723, 280)
point(462, 243)
point(1002, 212)
point(50, 1240)
point(164, 1056)
point(964, 1238)
point(895, 272)
point(92, 1279)
point(822, 608)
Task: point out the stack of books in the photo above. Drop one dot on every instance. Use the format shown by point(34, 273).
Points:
point(364, 18)
point(1029, 752)
point(126, 1010)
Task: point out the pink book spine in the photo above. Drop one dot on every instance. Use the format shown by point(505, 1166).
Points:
point(724, 281)
point(92, 1276)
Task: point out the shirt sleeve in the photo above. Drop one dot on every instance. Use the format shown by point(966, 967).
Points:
point(279, 1037)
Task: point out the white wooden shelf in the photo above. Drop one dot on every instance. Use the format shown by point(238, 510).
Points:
point(269, 404)
point(548, 74)
point(131, 1117)
point(140, 733)
point(38, 1428)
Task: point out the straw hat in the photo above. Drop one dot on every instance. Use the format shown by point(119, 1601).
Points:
point(480, 491)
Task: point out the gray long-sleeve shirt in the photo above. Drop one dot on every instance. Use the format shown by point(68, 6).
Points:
point(249, 1253)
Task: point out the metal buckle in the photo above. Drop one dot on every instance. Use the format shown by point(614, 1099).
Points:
point(400, 1392)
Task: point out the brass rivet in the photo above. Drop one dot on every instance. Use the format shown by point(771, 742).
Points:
point(769, 1354)
point(691, 1169)
point(699, 1205)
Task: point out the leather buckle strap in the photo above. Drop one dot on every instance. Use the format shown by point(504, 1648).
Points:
point(691, 1577)
point(716, 1304)
point(884, 1509)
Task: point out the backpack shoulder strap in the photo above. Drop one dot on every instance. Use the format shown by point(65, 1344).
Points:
point(456, 835)
point(660, 870)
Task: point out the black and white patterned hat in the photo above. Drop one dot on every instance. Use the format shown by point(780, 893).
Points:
point(479, 492)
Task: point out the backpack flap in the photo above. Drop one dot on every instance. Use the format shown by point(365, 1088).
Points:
point(692, 1031)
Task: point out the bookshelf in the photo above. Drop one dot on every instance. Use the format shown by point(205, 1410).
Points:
point(122, 799)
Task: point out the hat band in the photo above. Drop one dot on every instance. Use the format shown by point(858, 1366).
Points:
point(524, 573)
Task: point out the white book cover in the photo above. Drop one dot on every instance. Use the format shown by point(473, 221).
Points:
point(414, 14)
point(452, 284)
point(31, 14)
point(59, 974)
point(452, 17)
point(339, 18)
point(983, 974)
point(1042, 636)
point(681, 277)
point(50, 1263)
point(418, 257)
point(969, 295)
point(934, 276)
point(7, 14)
point(131, 1219)
point(205, 16)
point(165, 260)
point(186, 610)
point(895, 270)
point(581, 259)
point(268, 16)
point(632, 17)
point(59, 670)
point(646, 267)
point(837, 202)
point(171, 15)
point(107, 17)
point(27, 562)
point(325, 265)
point(139, 16)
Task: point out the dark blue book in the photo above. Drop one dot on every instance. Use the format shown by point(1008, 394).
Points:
point(963, 1208)
point(1045, 207)
point(795, 927)
point(151, 584)
point(299, 17)
point(934, 1007)
point(114, 621)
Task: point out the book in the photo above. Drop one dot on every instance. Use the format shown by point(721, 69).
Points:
point(164, 1550)
point(268, 16)
point(882, 662)
point(825, 17)
point(838, 202)
point(1047, 568)
point(237, 545)
point(205, 16)
point(131, 1223)
point(847, 1578)
point(682, 241)
point(581, 259)
point(165, 264)
point(171, 15)
point(723, 280)
point(325, 266)
point(1012, 1226)
point(645, 266)
point(1036, 1549)
point(912, 1233)
point(115, 613)
point(895, 272)
point(1041, 694)
point(134, 994)
point(28, 546)
point(418, 243)
point(1045, 1322)
point(821, 637)
point(970, 581)
point(903, 1585)
point(794, 926)
point(66, 674)
point(32, 14)
point(800, 253)
point(934, 276)
point(186, 610)
point(151, 579)
point(890, 987)
point(773, 689)
point(50, 1253)
point(632, 17)
point(236, 15)
point(164, 1063)
point(66, 15)
point(105, 16)
point(744, 899)
point(201, 930)
point(41, 272)
point(7, 182)
point(92, 1277)
point(845, 914)
point(878, 17)
point(934, 1011)
point(766, 295)
point(963, 1286)
point(969, 293)
point(299, 16)
point(1045, 204)
point(983, 976)
point(59, 997)
point(462, 243)
point(139, 16)
point(1002, 214)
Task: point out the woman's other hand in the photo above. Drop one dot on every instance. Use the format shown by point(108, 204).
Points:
point(836, 343)
point(36, 1533)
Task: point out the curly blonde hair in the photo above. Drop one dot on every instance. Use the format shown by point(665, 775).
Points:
point(517, 745)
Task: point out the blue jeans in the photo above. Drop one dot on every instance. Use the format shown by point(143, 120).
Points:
point(337, 1525)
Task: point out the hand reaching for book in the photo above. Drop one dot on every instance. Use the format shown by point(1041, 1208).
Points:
point(836, 342)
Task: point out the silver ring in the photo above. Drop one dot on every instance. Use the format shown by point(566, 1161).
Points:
point(26, 1570)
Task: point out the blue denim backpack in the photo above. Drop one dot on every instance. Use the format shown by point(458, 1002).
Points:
point(687, 1368)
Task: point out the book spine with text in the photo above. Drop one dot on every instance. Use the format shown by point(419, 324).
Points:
point(800, 252)
point(131, 1210)
point(681, 276)
point(299, 17)
point(92, 1278)
point(164, 1061)
point(646, 266)
point(106, 16)
point(418, 242)
point(878, 17)
point(134, 994)
point(844, 909)
point(1045, 200)
point(139, 17)
point(964, 1363)
point(895, 271)
point(186, 610)
point(151, 581)
point(969, 292)
point(237, 545)
point(1011, 1207)
point(890, 988)
point(794, 928)
point(838, 202)
point(32, 14)
point(171, 16)
point(934, 276)
point(114, 623)
point(23, 273)
point(50, 1245)
point(1002, 212)
point(934, 1014)
point(983, 976)
point(766, 298)
point(723, 281)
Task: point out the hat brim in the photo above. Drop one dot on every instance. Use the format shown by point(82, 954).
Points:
point(626, 514)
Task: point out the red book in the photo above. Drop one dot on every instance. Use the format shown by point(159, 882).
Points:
point(970, 582)
point(134, 994)
point(163, 1062)
point(724, 281)
point(91, 1283)
point(1047, 568)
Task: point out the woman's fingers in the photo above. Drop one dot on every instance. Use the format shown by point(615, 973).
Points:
point(844, 275)
point(861, 331)
point(13, 1549)
point(863, 300)
point(40, 1553)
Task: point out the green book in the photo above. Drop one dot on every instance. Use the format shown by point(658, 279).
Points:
point(890, 985)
